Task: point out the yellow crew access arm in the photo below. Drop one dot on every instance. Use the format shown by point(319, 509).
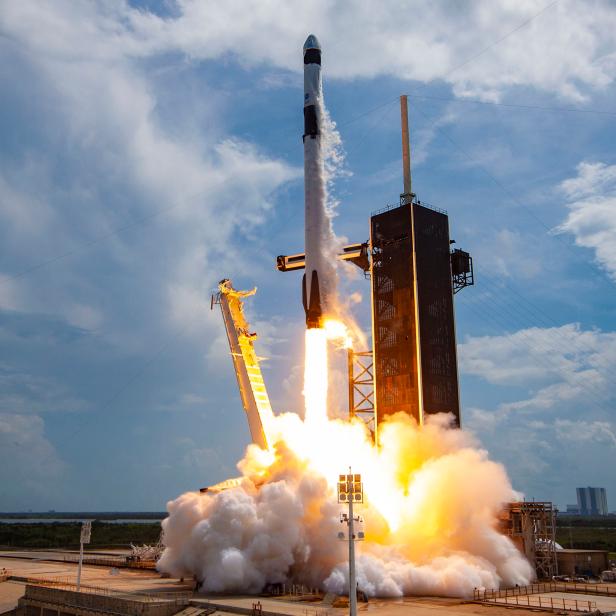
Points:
point(245, 361)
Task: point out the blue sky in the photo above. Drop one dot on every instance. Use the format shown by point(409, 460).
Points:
point(150, 149)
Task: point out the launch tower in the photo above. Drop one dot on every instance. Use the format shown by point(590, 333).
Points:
point(413, 331)
point(414, 275)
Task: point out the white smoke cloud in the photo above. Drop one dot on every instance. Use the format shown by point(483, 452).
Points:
point(281, 524)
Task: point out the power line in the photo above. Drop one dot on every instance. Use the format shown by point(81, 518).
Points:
point(513, 105)
point(367, 113)
point(500, 40)
point(126, 384)
point(510, 314)
point(143, 219)
point(497, 182)
point(542, 353)
point(457, 67)
point(88, 244)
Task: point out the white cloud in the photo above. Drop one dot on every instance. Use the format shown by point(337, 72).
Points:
point(10, 295)
point(22, 393)
point(21, 207)
point(116, 157)
point(84, 316)
point(202, 462)
point(29, 465)
point(560, 363)
point(591, 199)
point(546, 395)
point(565, 50)
point(509, 254)
point(586, 432)
point(176, 174)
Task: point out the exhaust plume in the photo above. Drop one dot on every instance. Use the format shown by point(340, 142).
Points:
point(431, 495)
point(432, 499)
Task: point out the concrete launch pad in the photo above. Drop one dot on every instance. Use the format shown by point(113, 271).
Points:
point(29, 567)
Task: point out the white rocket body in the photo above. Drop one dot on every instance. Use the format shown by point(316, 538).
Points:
point(317, 278)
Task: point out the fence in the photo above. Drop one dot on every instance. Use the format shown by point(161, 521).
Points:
point(120, 562)
point(298, 590)
point(544, 587)
point(552, 603)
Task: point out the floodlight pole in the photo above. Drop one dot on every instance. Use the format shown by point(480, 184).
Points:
point(352, 583)
point(80, 563)
point(84, 537)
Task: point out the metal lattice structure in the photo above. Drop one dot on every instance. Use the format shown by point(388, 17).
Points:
point(148, 552)
point(361, 387)
point(532, 527)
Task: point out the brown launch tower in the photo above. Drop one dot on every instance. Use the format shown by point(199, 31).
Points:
point(413, 330)
point(412, 367)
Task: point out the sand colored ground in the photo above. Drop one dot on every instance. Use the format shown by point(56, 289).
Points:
point(32, 565)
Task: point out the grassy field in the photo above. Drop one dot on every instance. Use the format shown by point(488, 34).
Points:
point(580, 533)
point(589, 533)
point(66, 535)
point(587, 538)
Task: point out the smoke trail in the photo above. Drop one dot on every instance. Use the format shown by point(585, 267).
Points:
point(433, 499)
point(323, 163)
point(334, 159)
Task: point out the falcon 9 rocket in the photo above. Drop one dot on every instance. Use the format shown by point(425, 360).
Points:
point(317, 282)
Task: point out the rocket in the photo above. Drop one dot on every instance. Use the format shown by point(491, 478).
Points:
point(315, 284)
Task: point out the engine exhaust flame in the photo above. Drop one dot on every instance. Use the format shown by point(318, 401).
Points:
point(432, 498)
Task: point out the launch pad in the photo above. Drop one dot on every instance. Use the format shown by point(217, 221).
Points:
point(414, 275)
point(409, 375)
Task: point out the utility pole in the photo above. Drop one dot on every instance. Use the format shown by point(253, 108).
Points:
point(350, 490)
point(86, 530)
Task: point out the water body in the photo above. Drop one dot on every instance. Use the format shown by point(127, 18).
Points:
point(76, 520)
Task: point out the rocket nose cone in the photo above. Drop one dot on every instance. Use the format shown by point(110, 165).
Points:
point(312, 42)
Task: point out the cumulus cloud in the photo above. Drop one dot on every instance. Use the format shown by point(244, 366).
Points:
point(591, 200)
point(547, 394)
point(586, 432)
point(24, 393)
point(558, 362)
point(81, 57)
point(108, 151)
point(565, 49)
point(29, 464)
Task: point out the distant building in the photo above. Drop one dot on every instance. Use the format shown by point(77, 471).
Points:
point(573, 510)
point(592, 501)
point(582, 562)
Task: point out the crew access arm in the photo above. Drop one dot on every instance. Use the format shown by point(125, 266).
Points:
point(245, 361)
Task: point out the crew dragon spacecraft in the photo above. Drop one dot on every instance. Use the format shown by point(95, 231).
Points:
point(318, 278)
